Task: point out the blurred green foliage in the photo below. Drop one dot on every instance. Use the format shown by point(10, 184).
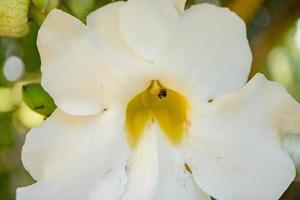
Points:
point(6, 127)
point(279, 60)
point(3, 81)
point(38, 99)
point(29, 51)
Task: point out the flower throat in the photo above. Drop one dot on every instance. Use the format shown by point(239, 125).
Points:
point(157, 104)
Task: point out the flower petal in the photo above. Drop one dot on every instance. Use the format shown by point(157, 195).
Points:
point(207, 44)
point(156, 171)
point(105, 23)
point(235, 151)
point(76, 157)
point(68, 61)
point(83, 72)
point(291, 143)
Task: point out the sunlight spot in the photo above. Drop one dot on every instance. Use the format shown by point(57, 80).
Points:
point(13, 68)
point(280, 68)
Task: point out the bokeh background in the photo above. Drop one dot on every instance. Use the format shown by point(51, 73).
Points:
point(273, 32)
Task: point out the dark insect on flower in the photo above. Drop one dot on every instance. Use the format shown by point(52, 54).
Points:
point(162, 93)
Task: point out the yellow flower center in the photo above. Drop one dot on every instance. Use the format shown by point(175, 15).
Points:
point(157, 104)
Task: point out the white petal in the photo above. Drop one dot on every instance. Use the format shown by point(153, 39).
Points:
point(206, 44)
point(68, 61)
point(291, 143)
point(234, 150)
point(105, 22)
point(157, 172)
point(76, 157)
point(83, 72)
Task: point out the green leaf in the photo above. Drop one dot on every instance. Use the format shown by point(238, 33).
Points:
point(38, 99)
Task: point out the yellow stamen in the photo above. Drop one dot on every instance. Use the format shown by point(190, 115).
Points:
point(157, 103)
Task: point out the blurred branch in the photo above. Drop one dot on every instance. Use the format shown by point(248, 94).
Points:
point(263, 43)
point(293, 192)
point(245, 9)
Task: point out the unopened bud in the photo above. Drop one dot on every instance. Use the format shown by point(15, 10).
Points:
point(13, 17)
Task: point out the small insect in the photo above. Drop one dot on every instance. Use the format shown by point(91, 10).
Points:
point(162, 93)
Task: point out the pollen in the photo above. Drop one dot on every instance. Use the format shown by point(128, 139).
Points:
point(157, 104)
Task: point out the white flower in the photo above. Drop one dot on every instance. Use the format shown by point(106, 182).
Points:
point(135, 118)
